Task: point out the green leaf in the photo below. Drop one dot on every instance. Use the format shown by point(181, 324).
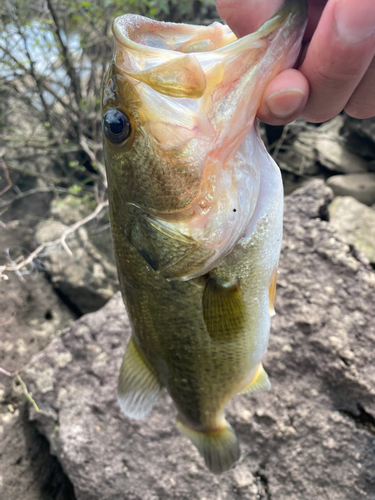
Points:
point(75, 189)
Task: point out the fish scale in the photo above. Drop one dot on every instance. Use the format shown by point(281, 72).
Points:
point(196, 207)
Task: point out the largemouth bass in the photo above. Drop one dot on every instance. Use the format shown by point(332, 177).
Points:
point(196, 207)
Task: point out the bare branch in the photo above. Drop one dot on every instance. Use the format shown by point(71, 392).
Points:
point(31, 191)
point(67, 58)
point(93, 159)
point(58, 241)
point(10, 184)
point(5, 372)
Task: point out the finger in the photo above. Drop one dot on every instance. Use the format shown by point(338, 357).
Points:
point(315, 11)
point(284, 98)
point(338, 56)
point(362, 102)
point(244, 17)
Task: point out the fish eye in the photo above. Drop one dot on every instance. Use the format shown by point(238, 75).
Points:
point(116, 126)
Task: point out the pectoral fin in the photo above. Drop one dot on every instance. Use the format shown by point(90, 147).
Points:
point(164, 248)
point(138, 388)
point(260, 382)
point(224, 310)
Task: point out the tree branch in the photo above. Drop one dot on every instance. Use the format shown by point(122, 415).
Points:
point(58, 241)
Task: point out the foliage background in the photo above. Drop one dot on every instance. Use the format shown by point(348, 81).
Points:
point(53, 55)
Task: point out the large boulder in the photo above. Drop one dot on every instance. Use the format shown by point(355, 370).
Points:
point(311, 436)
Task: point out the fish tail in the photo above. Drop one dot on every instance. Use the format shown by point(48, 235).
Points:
point(219, 448)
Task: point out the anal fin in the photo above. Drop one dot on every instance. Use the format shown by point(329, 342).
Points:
point(260, 382)
point(219, 448)
point(138, 388)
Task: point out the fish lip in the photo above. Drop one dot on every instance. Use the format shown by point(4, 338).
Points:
point(121, 25)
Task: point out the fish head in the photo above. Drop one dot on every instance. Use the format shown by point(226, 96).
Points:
point(178, 103)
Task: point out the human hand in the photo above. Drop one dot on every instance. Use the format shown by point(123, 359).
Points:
point(337, 65)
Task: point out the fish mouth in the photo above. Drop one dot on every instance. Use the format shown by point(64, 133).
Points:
point(204, 73)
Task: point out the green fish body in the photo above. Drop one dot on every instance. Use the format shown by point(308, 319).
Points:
point(196, 207)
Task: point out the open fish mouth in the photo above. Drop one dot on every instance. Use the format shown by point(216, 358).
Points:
point(222, 76)
point(202, 83)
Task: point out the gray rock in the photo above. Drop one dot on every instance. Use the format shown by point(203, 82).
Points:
point(358, 186)
point(307, 147)
point(332, 150)
point(355, 223)
point(27, 470)
point(71, 209)
point(300, 158)
point(31, 314)
point(311, 436)
point(333, 155)
point(86, 278)
point(294, 151)
point(361, 136)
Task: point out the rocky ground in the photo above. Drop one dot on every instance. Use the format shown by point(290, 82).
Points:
point(312, 436)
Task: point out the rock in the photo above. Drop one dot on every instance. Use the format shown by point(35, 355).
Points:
point(360, 136)
point(355, 223)
point(333, 155)
point(307, 147)
point(301, 158)
point(311, 436)
point(332, 150)
point(294, 151)
point(31, 314)
point(291, 182)
point(28, 471)
point(71, 209)
point(359, 186)
point(86, 278)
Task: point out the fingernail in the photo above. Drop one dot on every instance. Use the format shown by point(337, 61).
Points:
point(285, 102)
point(355, 21)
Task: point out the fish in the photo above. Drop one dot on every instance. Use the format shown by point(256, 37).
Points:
point(196, 208)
